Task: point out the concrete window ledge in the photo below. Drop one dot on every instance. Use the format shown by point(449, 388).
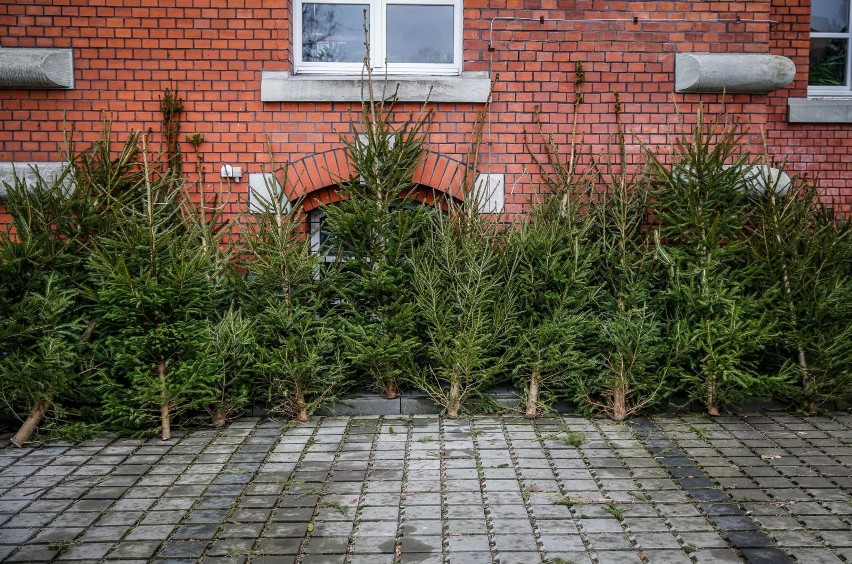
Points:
point(281, 86)
point(36, 68)
point(829, 109)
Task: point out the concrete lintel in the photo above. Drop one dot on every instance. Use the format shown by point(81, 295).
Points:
point(733, 73)
point(819, 110)
point(28, 172)
point(281, 86)
point(36, 68)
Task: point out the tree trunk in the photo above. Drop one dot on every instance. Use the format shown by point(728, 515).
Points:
point(301, 408)
point(803, 360)
point(454, 399)
point(712, 400)
point(165, 417)
point(619, 400)
point(391, 390)
point(218, 417)
point(28, 426)
point(532, 395)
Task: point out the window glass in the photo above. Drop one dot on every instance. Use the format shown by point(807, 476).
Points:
point(333, 33)
point(830, 16)
point(420, 34)
point(828, 62)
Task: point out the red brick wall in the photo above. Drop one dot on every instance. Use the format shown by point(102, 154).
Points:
point(822, 152)
point(213, 52)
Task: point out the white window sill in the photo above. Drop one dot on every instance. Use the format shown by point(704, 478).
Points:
point(820, 109)
point(281, 86)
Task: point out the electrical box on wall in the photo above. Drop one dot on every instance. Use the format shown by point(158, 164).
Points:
point(229, 171)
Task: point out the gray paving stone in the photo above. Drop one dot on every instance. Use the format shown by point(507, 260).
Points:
point(241, 530)
point(614, 556)
point(17, 535)
point(182, 549)
point(516, 557)
point(113, 518)
point(764, 556)
point(609, 541)
point(92, 551)
point(804, 488)
point(150, 532)
point(196, 532)
point(163, 517)
point(322, 545)
point(105, 534)
point(661, 540)
point(135, 549)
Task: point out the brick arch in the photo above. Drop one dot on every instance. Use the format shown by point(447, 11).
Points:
point(315, 176)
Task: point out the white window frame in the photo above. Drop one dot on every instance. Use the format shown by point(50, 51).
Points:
point(378, 47)
point(845, 90)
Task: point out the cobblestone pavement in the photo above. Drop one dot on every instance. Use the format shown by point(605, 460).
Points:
point(761, 487)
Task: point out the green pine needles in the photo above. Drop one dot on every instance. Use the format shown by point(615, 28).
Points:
point(703, 276)
point(154, 295)
point(374, 231)
point(805, 253)
point(468, 310)
point(298, 361)
point(718, 323)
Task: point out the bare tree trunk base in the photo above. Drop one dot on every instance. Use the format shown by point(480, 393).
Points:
point(391, 390)
point(713, 410)
point(532, 396)
point(165, 416)
point(454, 399)
point(301, 408)
point(166, 423)
point(619, 402)
point(29, 425)
point(218, 420)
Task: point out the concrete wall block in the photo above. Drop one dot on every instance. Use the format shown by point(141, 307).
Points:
point(36, 68)
point(28, 172)
point(489, 193)
point(263, 186)
point(733, 73)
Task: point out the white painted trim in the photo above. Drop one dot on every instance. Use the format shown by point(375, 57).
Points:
point(378, 47)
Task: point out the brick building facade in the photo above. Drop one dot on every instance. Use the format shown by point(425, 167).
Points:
point(251, 93)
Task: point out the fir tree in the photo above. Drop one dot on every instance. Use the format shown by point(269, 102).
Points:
point(629, 344)
point(231, 360)
point(375, 229)
point(553, 256)
point(805, 251)
point(41, 264)
point(39, 338)
point(298, 357)
point(716, 324)
point(154, 296)
point(460, 282)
